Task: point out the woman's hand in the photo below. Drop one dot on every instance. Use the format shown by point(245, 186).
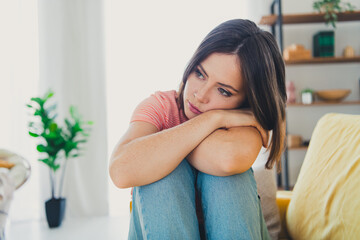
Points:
point(241, 118)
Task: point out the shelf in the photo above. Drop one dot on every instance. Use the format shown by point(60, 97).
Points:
point(298, 148)
point(277, 30)
point(283, 189)
point(309, 18)
point(323, 103)
point(324, 60)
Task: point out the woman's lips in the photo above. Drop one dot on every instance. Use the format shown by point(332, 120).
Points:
point(194, 109)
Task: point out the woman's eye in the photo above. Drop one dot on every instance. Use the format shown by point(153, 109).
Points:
point(199, 74)
point(224, 92)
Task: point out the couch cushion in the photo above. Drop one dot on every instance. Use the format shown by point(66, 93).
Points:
point(266, 185)
point(326, 197)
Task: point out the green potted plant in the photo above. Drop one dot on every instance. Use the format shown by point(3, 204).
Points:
point(57, 145)
point(331, 8)
point(307, 96)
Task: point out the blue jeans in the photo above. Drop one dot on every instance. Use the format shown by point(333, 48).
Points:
point(166, 209)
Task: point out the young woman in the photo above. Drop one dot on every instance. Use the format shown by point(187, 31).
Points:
point(204, 138)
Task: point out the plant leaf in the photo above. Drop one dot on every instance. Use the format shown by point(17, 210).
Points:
point(33, 134)
point(38, 100)
point(41, 148)
point(68, 124)
point(37, 112)
point(327, 16)
point(46, 161)
point(333, 24)
point(53, 127)
point(56, 167)
point(48, 95)
point(51, 135)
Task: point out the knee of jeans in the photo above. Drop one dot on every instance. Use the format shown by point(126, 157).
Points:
point(245, 178)
point(183, 174)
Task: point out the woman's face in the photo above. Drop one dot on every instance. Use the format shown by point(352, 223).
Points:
point(216, 83)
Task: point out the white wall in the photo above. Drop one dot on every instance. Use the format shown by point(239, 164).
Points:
point(19, 63)
point(302, 120)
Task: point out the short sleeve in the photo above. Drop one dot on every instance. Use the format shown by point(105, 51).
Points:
point(150, 110)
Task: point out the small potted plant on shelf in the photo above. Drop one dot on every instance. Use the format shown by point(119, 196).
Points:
point(307, 96)
point(57, 145)
point(331, 8)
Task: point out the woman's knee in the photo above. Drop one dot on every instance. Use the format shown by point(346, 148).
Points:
point(234, 196)
point(238, 182)
point(182, 178)
point(231, 194)
point(178, 188)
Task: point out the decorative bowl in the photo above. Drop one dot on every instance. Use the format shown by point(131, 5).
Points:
point(333, 94)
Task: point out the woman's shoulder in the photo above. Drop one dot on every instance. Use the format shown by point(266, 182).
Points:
point(157, 109)
point(166, 95)
point(172, 113)
point(167, 98)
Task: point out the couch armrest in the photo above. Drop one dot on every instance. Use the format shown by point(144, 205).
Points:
point(283, 199)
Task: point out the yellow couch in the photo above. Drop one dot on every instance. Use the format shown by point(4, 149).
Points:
point(325, 201)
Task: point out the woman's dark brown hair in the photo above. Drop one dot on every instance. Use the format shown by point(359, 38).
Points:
point(263, 72)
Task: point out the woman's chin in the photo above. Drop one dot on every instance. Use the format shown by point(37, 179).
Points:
point(189, 114)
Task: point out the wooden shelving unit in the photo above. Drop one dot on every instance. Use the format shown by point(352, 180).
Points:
point(270, 20)
point(324, 60)
point(276, 23)
point(298, 148)
point(323, 103)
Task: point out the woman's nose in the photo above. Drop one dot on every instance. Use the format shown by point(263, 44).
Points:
point(202, 95)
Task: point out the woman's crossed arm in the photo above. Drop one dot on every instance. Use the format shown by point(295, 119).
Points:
point(145, 155)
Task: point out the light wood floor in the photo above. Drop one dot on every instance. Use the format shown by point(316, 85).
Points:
point(104, 228)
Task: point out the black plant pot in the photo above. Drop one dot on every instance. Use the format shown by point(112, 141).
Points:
point(55, 210)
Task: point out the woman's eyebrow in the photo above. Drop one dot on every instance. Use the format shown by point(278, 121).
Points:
point(228, 86)
point(202, 69)
point(221, 84)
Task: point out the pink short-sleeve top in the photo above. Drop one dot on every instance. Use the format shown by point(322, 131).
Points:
point(160, 109)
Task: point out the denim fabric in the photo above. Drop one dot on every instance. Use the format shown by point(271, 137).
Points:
point(166, 209)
